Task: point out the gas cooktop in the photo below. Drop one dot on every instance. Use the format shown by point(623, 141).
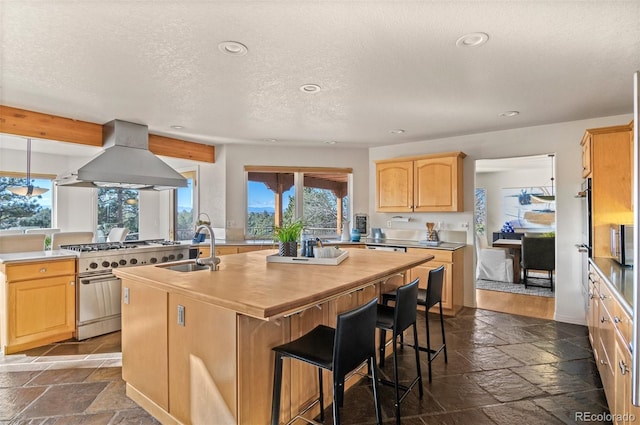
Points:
point(108, 246)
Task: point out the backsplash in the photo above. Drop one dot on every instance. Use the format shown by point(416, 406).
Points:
point(419, 235)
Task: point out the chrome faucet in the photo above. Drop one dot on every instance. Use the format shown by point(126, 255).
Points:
point(212, 261)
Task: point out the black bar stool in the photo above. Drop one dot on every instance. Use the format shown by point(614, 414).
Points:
point(340, 350)
point(397, 319)
point(428, 298)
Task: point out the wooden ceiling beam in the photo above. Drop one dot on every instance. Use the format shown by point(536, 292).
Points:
point(21, 122)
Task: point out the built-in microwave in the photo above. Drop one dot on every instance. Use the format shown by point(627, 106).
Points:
point(622, 243)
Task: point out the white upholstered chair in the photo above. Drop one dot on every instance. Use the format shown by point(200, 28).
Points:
point(21, 243)
point(70, 238)
point(493, 263)
point(117, 234)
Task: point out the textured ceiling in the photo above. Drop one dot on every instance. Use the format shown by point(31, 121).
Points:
point(381, 66)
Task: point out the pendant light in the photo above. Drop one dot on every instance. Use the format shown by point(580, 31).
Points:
point(547, 198)
point(29, 190)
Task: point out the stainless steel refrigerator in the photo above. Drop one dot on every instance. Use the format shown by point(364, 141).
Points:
point(636, 269)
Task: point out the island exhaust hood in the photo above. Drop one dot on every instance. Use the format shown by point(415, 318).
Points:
point(126, 163)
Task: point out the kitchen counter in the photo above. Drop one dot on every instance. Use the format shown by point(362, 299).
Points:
point(197, 346)
point(247, 284)
point(619, 278)
point(55, 254)
point(448, 246)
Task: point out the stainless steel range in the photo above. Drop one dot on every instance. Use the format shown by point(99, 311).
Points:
point(98, 290)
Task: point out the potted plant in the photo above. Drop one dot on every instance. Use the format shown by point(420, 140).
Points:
point(287, 236)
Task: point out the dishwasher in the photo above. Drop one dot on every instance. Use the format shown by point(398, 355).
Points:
point(387, 248)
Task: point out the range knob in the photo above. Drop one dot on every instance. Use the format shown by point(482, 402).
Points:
point(93, 265)
point(133, 261)
point(153, 260)
point(180, 256)
point(165, 259)
point(123, 262)
point(114, 265)
point(105, 264)
point(172, 257)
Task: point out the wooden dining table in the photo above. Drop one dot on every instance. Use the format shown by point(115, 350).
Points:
point(515, 246)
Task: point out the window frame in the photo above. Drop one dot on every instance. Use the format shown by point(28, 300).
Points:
point(298, 185)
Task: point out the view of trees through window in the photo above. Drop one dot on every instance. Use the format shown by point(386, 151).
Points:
point(271, 201)
point(117, 208)
point(20, 212)
point(184, 207)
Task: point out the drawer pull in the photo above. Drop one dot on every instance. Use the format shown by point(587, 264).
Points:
point(616, 319)
point(591, 295)
point(623, 367)
point(43, 270)
point(603, 319)
point(602, 362)
point(603, 296)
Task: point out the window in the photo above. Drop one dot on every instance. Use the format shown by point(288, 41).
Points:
point(184, 201)
point(117, 208)
point(20, 212)
point(271, 199)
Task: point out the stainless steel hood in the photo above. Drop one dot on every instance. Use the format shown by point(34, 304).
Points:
point(125, 163)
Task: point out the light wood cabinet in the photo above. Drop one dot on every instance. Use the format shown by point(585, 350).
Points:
point(429, 183)
point(452, 287)
point(201, 380)
point(609, 158)
point(610, 333)
point(144, 341)
point(586, 155)
point(38, 303)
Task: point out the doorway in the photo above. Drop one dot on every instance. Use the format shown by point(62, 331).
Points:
point(514, 197)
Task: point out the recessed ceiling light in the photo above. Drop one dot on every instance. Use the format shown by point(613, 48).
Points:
point(509, 114)
point(270, 140)
point(233, 48)
point(177, 127)
point(474, 39)
point(397, 131)
point(310, 88)
point(331, 142)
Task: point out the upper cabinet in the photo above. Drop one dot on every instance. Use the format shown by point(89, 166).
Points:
point(429, 183)
point(586, 155)
point(610, 165)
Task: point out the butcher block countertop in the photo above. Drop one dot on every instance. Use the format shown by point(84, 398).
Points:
point(247, 284)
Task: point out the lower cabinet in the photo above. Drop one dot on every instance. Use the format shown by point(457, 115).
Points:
point(188, 361)
point(452, 288)
point(610, 333)
point(38, 303)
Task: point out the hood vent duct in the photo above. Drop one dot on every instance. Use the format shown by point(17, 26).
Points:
point(125, 163)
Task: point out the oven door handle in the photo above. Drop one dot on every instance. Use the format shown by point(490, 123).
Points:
point(90, 280)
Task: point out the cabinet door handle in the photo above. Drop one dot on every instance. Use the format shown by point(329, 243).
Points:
point(602, 362)
point(623, 367)
point(591, 296)
point(603, 319)
point(43, 270)
point(72, 283)
point(125, 295)
point(616, 319)
point(180, 315)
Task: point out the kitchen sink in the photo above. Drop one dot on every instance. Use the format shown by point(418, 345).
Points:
point(185, 267)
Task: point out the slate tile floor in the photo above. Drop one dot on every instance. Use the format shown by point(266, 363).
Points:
point(503, 369)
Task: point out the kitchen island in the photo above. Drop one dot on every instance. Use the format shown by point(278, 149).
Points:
point(196, 346)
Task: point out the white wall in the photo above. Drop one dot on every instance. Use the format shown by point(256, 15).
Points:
point(237, 156)
point(563, 139)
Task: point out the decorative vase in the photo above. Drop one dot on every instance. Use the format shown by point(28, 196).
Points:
point(288, 249)
point(355, 235)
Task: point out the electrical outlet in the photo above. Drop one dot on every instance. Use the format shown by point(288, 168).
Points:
point(389, 224)
point(231, 224)
point(464, 225)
